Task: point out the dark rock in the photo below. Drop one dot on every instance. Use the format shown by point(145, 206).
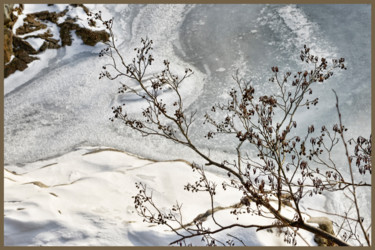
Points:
point(9, 17)
point(65, 29)
point(45, 15)
point(30, 25)
point(8, 8)
point(44, 35)
point(53, 43)
point(17, 64)
point(326, 225)
point(49, 44)
point(85, 9)
point(31, 22)
point(49, 16)
point(8, 45)
point(90, 37)
point(20, 44)
point(43, 47)
point(92, 23)
point(24, 56)
point(13, 66)
point(22, 50)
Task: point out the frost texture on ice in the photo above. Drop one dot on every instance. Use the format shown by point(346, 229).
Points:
point(61, 104)
point(66, 105)
point(58, 103)
point(305, 31)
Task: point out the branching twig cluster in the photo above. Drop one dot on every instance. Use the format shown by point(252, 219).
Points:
point(288, 167)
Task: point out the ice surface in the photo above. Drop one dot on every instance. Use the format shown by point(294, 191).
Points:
point(58, 103)
point(49, 59)
point(36, 43)
point(305, 31)
point(19, 78)
point(75, 105)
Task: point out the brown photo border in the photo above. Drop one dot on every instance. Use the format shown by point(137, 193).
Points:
point(369, 2)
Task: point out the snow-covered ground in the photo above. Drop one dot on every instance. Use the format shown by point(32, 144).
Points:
point(57, 110)
point(85, 198)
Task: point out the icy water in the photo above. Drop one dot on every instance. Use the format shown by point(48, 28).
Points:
point(65, 106)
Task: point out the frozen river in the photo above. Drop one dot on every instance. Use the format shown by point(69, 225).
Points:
point(58, 104)
point(64, 105)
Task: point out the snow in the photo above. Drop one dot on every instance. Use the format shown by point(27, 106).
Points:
point(49, 56)
point(65, 86)
point(75, 13)
point(85, 198)
point(297, 22)
point(19, 21)
point(57, 108)
point(19, 78)
point(11, 58)
point(297, 29)
point(33, 8)
point(36, 43)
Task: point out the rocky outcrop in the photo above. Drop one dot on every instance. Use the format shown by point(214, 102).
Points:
point(326, 225)
point(65, 29)
point(30, 25)
point(21, 45)
point(8, 8)
point(9, 20)
point(89, 37)
point(49, 42)
point(85, 9)
point(49, 16)
point(22, 51)
point(8, 44)
point(18, 63)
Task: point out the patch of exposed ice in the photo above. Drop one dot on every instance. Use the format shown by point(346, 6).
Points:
point(306, 32)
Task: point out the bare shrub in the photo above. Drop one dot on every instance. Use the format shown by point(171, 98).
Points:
point(289, 167)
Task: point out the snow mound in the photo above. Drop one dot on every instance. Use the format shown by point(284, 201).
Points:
point(85, 198)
